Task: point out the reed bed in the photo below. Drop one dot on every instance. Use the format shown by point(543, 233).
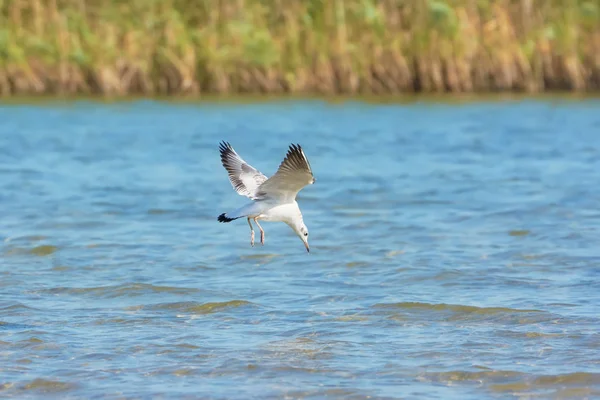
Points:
point(156, 47)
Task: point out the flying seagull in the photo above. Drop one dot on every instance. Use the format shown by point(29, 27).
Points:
point(273, 199)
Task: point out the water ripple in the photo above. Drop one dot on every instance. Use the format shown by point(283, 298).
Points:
point(122, 290)
point(193, 307)
point(454, 252)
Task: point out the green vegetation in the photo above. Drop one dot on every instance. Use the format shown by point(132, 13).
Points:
point(151, 47)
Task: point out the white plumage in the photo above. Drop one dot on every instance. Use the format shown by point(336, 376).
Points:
point(274, 198)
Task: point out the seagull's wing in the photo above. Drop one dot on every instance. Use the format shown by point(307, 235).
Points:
point(293, 174)
point(244, 178)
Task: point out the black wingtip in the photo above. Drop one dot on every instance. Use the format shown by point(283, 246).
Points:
point(224, 218)
point(224, 146)
point(294, 148)
point(225, 150)
point(295, 152)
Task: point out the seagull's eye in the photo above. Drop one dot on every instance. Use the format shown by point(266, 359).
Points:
point(305, 233)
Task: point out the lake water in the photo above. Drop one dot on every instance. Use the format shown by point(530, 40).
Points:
point(455, 252)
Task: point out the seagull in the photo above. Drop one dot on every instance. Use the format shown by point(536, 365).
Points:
point(273, 199)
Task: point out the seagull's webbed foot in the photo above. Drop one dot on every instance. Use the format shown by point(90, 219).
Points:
point(262, 232)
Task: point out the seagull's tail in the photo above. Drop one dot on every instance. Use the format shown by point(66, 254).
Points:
point(224, 218)
point(249, 210)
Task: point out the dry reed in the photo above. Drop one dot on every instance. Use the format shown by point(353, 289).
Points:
point(124, 47)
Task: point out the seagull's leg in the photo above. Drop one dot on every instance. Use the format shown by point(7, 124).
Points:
point(262, 233)
point(251, 232)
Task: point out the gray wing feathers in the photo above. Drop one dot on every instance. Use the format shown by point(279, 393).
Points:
point(244, 178)
point(293, 174)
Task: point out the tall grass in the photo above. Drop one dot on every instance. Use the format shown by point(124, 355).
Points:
point(123, 47)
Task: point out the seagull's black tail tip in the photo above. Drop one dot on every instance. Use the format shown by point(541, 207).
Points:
point(224, 218)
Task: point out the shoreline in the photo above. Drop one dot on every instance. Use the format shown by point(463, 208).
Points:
point(444, 98)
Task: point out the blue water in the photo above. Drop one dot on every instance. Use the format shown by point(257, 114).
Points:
point(454, 252)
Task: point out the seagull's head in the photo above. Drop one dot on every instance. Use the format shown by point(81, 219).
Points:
point(302, 231)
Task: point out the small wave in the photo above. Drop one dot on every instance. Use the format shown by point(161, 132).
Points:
point(301, 348)
point(572, 383)
point(454, 308)
point(575, 378)
point(297, 369)
point(43, 250)
point(15, 306)
point(456, 312)
point(27, 238)
point(569, 385)
point(519, 232)
point(357, 264)
point(40, 251)
point(5, 326)
point(475, 376)
point(351, 318)
point(184, 371)
point(531, 335)
point(192, 307)
point(16, 309)
point(394, 253)
point(322, 393)
point(48, 386)
point(123, 290)
point(268, 256)
point(158, 211)
point(37, 344)
point(125, 321)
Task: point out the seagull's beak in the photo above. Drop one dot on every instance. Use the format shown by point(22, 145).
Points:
point(307, 248)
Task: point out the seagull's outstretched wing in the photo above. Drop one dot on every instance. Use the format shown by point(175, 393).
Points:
point(244, 178)
point(293, 174)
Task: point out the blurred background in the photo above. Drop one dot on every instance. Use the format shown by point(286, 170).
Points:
point(152, 47)
point(454, 222)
